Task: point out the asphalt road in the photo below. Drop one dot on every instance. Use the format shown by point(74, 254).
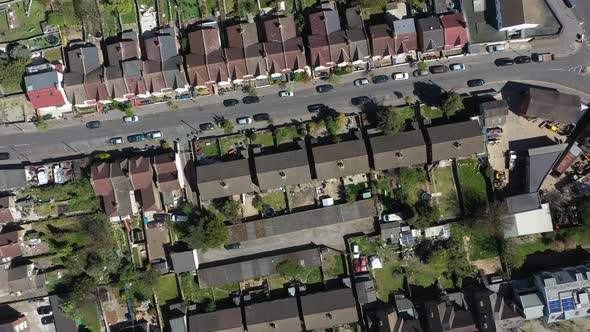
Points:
point(565, 74)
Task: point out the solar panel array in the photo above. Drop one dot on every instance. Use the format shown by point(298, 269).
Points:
point(554, 306)
point(568, 304)
point(407, 240)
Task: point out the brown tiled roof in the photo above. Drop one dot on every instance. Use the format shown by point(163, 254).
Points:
point(294, 54)
point(319, 50)
point(100, 180)
point(140, 172)
point(328, 309)
point(206, 63)
point(224, 179)
point(455, 30)
point(10, 251)
point(96, 90)
point(282, 169)
point(382, 42)
point(283, 47)
point(154, 82)
point(148, 199)
point(342, 159)
point(457, 140)
point(8, 238)
point(166, 173)
point(244, 52)
point(236, 63)
point(280, 29)
point(339, 50)
point(109, 204)
point(197, 69)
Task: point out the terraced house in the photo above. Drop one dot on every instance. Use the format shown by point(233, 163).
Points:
point(244, 54)
point(285, 53)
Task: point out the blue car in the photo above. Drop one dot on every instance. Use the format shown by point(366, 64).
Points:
point(136, 138)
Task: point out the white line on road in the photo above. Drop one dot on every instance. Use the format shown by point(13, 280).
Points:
point(20, 145)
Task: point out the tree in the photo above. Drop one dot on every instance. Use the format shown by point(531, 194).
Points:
point(82, 290)
point(422, 66)
point(228, 127)
point(459, 267)
point(231, 211)
point(584, 211)
point(217, 233)
point(513, 257)
point(452, 102)
point(390, 121)
point(425, 214)
point(120, 6)
point(252, 92)
point(491, 219)
point(417, 5)
point(333, 79)
point(373, 6)
point(19, 52)
point(410, 100)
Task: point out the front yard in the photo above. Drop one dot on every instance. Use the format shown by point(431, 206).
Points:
point(208, 148)
point(287, 134)
point(264, 139)
point(232, 144)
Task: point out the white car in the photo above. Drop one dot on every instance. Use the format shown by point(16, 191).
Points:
point(42, 178)
point(391, 217)
point(116, 140)
point(154, 134)
point(355, 251)
point(286, 93)
point(361, 81)
point(400, 76)
point(457, 67)
point(133, 118)
point(244, 120)
point(496, 48)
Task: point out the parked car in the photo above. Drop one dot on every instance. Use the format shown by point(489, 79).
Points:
point(133, 118)
point(44, 310)
point(438, 69)
point(230, 102)
point(418, 73)
point(261, 117)
point(475, 82)
point(360, 81)
point(162, 217)
point(570, 3)
point(457, 67)
point(391, 217)
point(286, 93)
point(154, 134)
point(206, 126)
point(4, 155)
point(400, 76)
point(46, 320)
point(136, 138)
point(511, 160)
point(116, 140)
point(179, 218)
point(362, 100)
point(93, 125)
point(380, 79)
point(522, 59)
point(360, 264)
point(244, 120)
point(250, 100)
point(230, 246)
point(324, 88)
point(355, 251)
point(42, 178)
point(504, 62)
point(316, 108)
point(496, 48)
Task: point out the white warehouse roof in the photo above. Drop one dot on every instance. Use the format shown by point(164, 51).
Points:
point(530, 222)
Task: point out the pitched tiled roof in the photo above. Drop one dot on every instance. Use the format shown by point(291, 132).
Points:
point(431, 34)
point(342, 159)
point(406, 38)
point(382, 42)
point(166, 173)
point(399, 150)
point(462, 139)
point(283, 47)
point(455, 31)
point(282, 169)
point(327, 309)
point(140, 172)
point(100, 180)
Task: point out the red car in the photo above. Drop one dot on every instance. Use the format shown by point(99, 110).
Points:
point(364, 267)
point(356, 263)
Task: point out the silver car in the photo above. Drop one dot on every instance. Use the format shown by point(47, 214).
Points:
point(360, 81)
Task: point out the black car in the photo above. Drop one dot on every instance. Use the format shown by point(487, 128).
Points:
point(44, 310)
point(362, 100)
point(206, 126)
point(324, 88)
point(136, 138)
point(475, 82)
point(522, 59)
point(438, 69)
point(261, 117)
point(47, 320)
point(230, 102)
point(418, 73)
point(162, 217)
point(504, 62)
point(250, 100)
point(93, 124)
point(315, 108)
point(380, 79)
point(4, 155)
point(235, 245)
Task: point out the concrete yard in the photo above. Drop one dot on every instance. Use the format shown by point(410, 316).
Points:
point(157, 238)
point(29, 310)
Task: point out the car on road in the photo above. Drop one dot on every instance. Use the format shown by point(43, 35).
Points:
point(46, 320)
point(250, 100)
point(4, 156)
point(400, 76)
point(496, 48)
point(475, 82)
point(154, 134)
point(315, 108)
point(391, 217)
point(438, 69)
point(286, 93)
point(116, 140)
point(206, 126)
point(324, 88)
point(244, 120)
point(133, 118)
point(360, 81)
point(418, 73)
point(44, 310)
point(362, 100)
point(355, 251)
point(457, 67)
point(136, 138)
point(504, 62)
point(230, 102)
point(380, 79)
point(93, 125)
point(230, 246)
point(522, 59)
point(261, 117)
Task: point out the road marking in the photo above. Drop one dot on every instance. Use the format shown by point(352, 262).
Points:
point(21, 145)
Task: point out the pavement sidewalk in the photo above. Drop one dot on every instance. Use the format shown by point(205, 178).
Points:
point(566, 44)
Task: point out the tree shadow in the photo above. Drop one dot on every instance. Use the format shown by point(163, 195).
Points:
point(428, 93)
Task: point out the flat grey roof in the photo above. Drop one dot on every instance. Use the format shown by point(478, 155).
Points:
point(541, 161)
point(12, 179)
point(523, 203)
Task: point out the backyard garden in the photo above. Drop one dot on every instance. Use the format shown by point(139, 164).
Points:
point(446, 200)
point(207, 298)
point(24, 26)
point(473, 185)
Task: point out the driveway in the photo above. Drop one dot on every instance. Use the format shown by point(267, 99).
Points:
point(156, 238)
point(29, 309)
point(331, 236)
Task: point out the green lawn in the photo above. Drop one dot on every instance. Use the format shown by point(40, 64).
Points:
point(89, 316)
point(482, 245)
point(412, 181)
point(137, 258)
point(447, 202)
point(264, 139)
point(278, 282)
point(167, 289)
point(473, 185)
point(334, 265)
point(190, 9)
point(232, 142)
point(25, 27)
point(192, 291)
point(129, 17)
point(276, 200)
point(110, 24)
point(210, 148)
point(387, 280)
point(354, 192)
point(287, 134)
point(53, 55)
point(429, 112)
point(407, 113)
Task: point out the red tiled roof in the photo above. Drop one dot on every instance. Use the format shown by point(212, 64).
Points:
point(319, 50)
point(404, 46)
point(140, 172)
point(135, 85)
point(100, 179)
point(166, 173)
point(10, 251)
point(455, 32)
point(46, 97)
point(316, 22)
point(5, 216)
point(8, 238)
point(96, 91)
point(382, 41)
point(148, 200)
point(109, 204)
point(279, 29)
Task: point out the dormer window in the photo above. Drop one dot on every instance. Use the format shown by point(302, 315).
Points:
point(282, 174)
point(340, 164)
